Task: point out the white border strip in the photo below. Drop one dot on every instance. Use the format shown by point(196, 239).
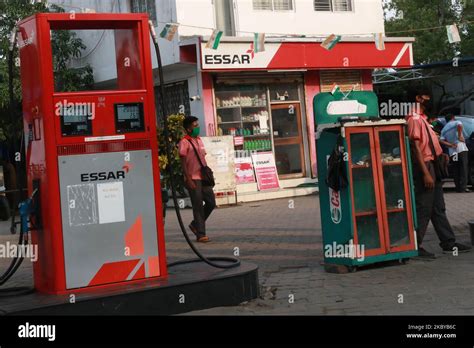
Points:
point(400, 55)
point(111, 137)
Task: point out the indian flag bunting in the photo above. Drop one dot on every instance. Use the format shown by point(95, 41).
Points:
point(215, 39)
point(169, 31)
point(331, 41)
point(379, 41)
point(259, 42)
point(335, 89)
point(453, 33)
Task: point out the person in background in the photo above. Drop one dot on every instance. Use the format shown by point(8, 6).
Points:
point(429, 196)
point(459, 153)
point(190, 147)
point(437, 125)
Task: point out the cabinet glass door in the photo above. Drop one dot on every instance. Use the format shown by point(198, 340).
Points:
point(394, 187)
point(365, 191)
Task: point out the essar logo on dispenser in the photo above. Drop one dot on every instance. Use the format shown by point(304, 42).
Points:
point(335, 206)
point(102, 176)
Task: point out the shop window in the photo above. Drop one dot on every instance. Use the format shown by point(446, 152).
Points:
point(242, 111)
point(263, 117)
point(273, 5)
point(145, 6)
point(333, 5)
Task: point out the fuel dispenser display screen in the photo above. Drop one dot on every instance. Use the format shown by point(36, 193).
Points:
point(74, 125)
point(129, 118)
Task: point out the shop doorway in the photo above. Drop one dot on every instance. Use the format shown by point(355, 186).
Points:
point(288, 140)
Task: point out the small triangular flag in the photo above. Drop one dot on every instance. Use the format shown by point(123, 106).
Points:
point(453, 33)
point(169, 31)
point(379, 41)
point(215, 39)
point(331, 41)
point(259, 42)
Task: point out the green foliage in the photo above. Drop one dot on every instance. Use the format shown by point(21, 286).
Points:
point(432, 45)
point(65, 46)
point(175, 133)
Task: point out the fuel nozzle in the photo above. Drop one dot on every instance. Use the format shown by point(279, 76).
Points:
point(152, 31)
point(13, 38)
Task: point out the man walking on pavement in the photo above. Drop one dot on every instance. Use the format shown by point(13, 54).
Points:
point(193, 158)
point(429, 194)
point(459, 153)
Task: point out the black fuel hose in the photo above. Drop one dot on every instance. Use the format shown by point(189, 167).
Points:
point(16, 261)
point(231, 261)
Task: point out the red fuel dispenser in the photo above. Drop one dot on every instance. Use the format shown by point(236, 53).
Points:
point(93, 156)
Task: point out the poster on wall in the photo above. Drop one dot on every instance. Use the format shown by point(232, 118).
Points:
point(265, 171)
point(220, 158)
point(244, 170)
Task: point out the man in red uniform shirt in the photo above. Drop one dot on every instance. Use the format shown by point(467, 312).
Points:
point(190, 147)
point(428, 187)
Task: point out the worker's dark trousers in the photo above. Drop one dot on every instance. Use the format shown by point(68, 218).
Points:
point(201, 212)
point(430, 206)
point(461, 170)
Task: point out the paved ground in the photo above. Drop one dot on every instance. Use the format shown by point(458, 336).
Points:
point(284, 239)
point(287, 245)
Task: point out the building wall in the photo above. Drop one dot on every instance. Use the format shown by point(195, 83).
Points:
point(367, 17)
point(188, 73)
point(199, 13)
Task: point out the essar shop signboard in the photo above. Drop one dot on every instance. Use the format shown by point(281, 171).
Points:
point(265, 171)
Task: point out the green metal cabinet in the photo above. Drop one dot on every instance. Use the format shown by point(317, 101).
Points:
point(372, 218)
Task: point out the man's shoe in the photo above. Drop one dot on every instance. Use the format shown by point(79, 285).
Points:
point(203, 239)
point(423, 254)
point(460, 248)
